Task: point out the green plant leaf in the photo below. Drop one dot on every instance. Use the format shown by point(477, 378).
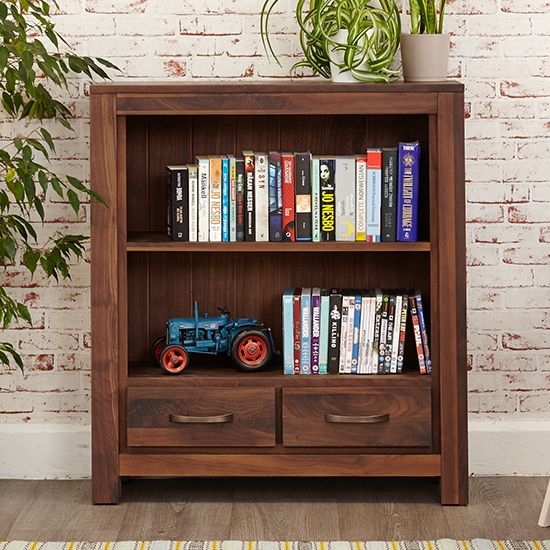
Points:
point(73, 200)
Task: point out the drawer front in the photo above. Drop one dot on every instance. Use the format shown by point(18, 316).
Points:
point(347, 417)
point(202, 417)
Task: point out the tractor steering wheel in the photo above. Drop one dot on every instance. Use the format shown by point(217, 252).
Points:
point(224, 311)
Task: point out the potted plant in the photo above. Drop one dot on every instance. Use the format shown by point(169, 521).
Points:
point(354, 38)
point(425, 51)
point(33, 70)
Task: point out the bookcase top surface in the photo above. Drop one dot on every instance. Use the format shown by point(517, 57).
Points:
point(290, 87)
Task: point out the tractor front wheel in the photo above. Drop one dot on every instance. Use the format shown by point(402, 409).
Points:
point(251, 350)
point(174, 359)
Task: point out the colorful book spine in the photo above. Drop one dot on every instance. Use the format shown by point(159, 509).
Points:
point(261, 196)
point(203, 165)
point(239, 199)
point(378, 306)
point(192, 171)
point(374, 194)
point(315, 329)
point(177, 193)
point(302, 183)
point(407, 191)
point(402, 334)
point(289, 231)
point(389, 194)
point(417, 331)
point(249, 216)
point(275, 197)
point(215, 229)
point(305, 331)
point(389, 334)
point(225, 198)
point(361, 198)
point(383, 333)
point(423, 331)
point(335, 319)
point(232, 198)
point(396, 333)
point(344, 182)
point(324, 332)
point(315, 201)
point(343, 332)
point(328, 201)
point(288, 331)
point(297, 335)
point(356, 334)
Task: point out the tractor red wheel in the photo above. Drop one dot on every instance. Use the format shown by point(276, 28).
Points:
point(251, 350)
point(174, 359)
point(156, 349)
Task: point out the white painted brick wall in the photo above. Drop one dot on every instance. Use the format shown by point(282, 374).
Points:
point(500, 51)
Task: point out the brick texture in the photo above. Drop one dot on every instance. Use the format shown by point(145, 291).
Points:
point(500, 51)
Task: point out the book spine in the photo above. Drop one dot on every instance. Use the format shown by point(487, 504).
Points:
point(297, 337)
point(239, 199)
point(324, 332)
point(249, 215)
point(328, 201)
point(379, 302)
point(407, 195)
point(383, 333)
point(177, 193)
point(344, 181)
point(261, 196)
point(275, 197)
point(361, 196)
point(315, 329)
point(402, 334)
point(423, 332)
point(305, 332)
point(396, 333)
point(193, 201)
point(215, 199)
point(335, 319)
point(389, 194)
point(302, 182)
point(204, 198)
point(389, 334)
point(374, 191)
point(225, 199)
point(289, 230)
point(417, 335)
point(288, 331)
point(315, 201)
point(356, 334)
point(232, 198)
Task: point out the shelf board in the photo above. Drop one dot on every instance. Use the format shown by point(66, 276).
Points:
point(159, 242)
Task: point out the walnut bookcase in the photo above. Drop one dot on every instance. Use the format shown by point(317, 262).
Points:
point(140, 279)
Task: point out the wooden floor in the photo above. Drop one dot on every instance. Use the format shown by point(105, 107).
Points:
point(272, 509)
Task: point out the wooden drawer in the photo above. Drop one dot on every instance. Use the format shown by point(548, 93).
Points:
point(203, 417)
point(349, 417)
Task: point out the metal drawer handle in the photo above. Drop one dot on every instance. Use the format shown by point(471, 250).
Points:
point(216, 419)
point(374, 419)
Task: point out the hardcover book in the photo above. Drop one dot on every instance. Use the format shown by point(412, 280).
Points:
point(361, 198)
point(177, 197)
point(275, 197)
point(374, 194)
point(240, 194)
point(192, 172)
point(215, 198)
point(328, 200)
point(407, 191)
point(203, 222)
point(344, 182)
point(389, 193)
point(261, 196)
point(302, 187)
point(289, 232)
point(249, 186)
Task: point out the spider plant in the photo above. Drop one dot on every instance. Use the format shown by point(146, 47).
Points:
point(425, 18)
point(372, 36)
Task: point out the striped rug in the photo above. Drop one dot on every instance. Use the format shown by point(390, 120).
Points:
point(441, 544)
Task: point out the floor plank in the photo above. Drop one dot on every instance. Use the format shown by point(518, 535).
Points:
point(272, 509)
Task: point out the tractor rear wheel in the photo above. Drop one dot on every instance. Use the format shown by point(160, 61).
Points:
point(251, 350)
point(174, 359)
point(156, 349)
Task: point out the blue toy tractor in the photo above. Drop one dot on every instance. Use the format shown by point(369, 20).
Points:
point(248, 343)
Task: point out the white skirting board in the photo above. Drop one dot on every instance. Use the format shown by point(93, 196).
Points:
point(63, 451)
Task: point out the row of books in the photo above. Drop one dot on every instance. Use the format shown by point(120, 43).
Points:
point(351, 331)
point(273, 196)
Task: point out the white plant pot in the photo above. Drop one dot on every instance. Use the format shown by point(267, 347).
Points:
point(425, 57)
point(337, 56)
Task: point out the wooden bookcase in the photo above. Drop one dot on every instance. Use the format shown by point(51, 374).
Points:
point(140, 279)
